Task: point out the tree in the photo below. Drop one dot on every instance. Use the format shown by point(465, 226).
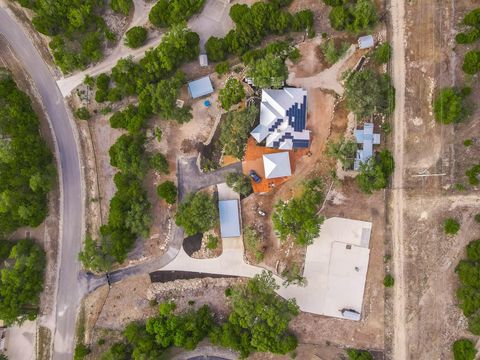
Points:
point(464, 349)
point(375, 172)
point(118, 351)
point(451, 226)
point(269, 72)
point(449, 107)
point(231, 94)
point(239, 183)
point(158, 162)
point(298, 217)
point(121, 6)
point(344, 151)
point(169, 12)
point(259, 319)
point(331, 52)
point(471, 62)
point(129, 119)
point(368, 93)
point(167, 191)
point(383, 53)
point(235, 130)
point(197, 214)
point(21, 282)
point(215, 49)
point(127, 154)
point(357, 16)
point(136, 37)
point(81, 351)
point(95, 257)
point(354, 354)
point(83, 113)
point(222, 68)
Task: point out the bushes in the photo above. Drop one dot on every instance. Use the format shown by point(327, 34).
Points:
point(82, 113)
point(298, 217)
point(451, 226)
point(354, 16)
point(471, 62)
point(231, 94)
point(222, 68)
point(81, 351)
point(472, 174)
point(449, 106)
point(136, 37)
point(382, 54)
point(269, 72)
point(253, 243)
point(128, 119)
point(127, 154)
point(235, 129)
point(167, 191)
point(344, 151)
point(388, 281)
point(158, 162)
point(27, 170)
point(355, 354)
point(170, 12)
point(239, 183)
point(212, 242)
point(121, 6)
point(468, 37)
point(331, 52)
point(197, 214)
point(374, 173)
point(464, 349)
point(368, 93)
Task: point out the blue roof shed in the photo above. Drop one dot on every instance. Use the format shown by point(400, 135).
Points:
point(200, 87)
point(229, 218)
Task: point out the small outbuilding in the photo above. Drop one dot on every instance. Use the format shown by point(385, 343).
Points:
point(203, 60)
point(366, 42)
point(200, 87)
point(229, 218)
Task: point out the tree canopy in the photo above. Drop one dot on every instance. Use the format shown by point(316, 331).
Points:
point(235, 130)
point(464, 349)
point(471, 62)
point(298, 217)
point(136, 37)
point(239, 183)
point(197, 214)
point(231, 94)
point(355, 354)
point(355, 16)
point(375, 173)
point(449, 106)
point(368, 93)
point(269, 72)
point(170, 12)
point(21, 282)
point(167, 191)
point(27, 170)
point(344, 151)
point(383, 53)
point(121, 6)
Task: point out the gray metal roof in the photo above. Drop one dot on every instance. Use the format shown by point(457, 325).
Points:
point(367, 138)
point(365, 42)
point(229, 218)
point(200, 87)
point(277, 165)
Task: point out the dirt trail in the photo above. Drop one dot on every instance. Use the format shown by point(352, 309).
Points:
point(398, 75)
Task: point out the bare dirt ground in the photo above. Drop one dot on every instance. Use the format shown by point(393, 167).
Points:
point(432, 321)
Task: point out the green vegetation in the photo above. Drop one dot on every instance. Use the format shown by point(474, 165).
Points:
point(344, 151)
point(374, 173)
point(451, 226)
point(253, 24)
point(158, 162)
point(468, 293)
point(269, 72)
point(129, 119)
point(27, 170)
point(253, 243)
point(82, 113)
point(95, 256)
point(388, 281)
point(468, 142)
point(240, 183)
point(197, 214)
point(464, 349)
point(449, 106)
point(259, 319)
point(231, 94)
point(477, 218)
point(76, 27)
point(369, 93)
point(235, 130)
point(333, 52)
point(212, 242)
point(121, 6)
point(222, 68)
point(81, 351)
point(167, 191)
point(293, 276)
point(471, 62)
point(472, 21)
point(472, 174)
point(127, 154)
point(354, 354)
point(355, 16)
point(298, 217)
point(21, 281)
point(136, 37)
point(170, 12)
point(382, 54)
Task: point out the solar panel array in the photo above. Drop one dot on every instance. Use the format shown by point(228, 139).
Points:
point(297, 115)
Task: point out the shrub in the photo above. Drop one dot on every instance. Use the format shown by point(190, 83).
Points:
point(158, 162)
point(472, 174)
point(332, 52)
point(81, 351)
point(375, 173)
point(468, 37)
point(464, 349)
point(354, 354)
point(269, 72)
point(222, 68)
point(355, 16)
point(468, 142)
point(344, 151)
point(170, 12)
point(231, 94)
point(382, 54)
point(82, 113)
point(121, 6)
point(240, 183)
point(477, 218)
point(167, 191)
point(471, 62)
point(451, 226)
point(253, 243)
point(197, 214)
point(449, 107)
point(136, 37)
point(212, 242)
point(388, 281)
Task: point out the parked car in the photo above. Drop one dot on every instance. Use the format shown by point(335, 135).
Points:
point(255, 176)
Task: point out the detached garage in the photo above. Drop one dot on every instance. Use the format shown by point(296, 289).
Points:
point(229, 218)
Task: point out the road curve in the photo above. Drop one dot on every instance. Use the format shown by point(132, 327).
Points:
point(71, 215)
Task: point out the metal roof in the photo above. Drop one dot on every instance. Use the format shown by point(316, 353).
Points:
point(367, 138)
point(277, 165)
point(365, 42)
point(200, 87)
point(229, 218)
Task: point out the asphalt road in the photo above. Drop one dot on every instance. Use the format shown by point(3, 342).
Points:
point(69, 291)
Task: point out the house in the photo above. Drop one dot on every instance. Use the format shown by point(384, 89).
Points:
point(277, 165)
point(203, 60)
point(367, 139)
point(366, 42)
point(229, 218)
point(200, 87)
point(283, 117)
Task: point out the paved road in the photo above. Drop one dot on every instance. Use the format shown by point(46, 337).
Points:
point(68, 296)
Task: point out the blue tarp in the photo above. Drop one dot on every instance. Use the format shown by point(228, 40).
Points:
point(200, 87)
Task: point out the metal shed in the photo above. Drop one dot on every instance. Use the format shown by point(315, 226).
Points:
point(229, 218)
point(365, 42)
point(200, 87)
